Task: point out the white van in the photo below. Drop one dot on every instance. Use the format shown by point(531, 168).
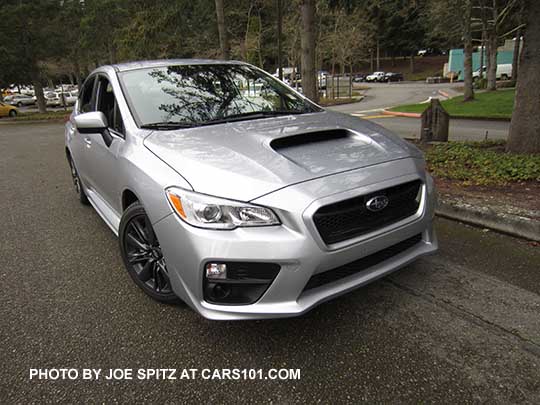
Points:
point(504, 72)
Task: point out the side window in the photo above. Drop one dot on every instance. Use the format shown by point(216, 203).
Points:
point(85, 100)
point(107, 104)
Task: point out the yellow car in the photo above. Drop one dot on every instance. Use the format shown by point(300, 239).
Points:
point(7, 110)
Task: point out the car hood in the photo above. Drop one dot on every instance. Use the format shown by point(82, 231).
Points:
point(247, 159)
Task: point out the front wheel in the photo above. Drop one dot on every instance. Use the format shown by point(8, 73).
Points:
point(142, 255)
point(12, 113)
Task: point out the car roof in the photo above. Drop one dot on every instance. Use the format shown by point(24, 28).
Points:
point(122, 67)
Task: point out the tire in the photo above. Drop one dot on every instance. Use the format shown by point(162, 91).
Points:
point(504, 77)
point(12, 113)
point(19, 104)
point(142, 255)
point(83, 199)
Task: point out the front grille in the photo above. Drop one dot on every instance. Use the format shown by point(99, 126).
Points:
point(350, 218)
point(362, 264)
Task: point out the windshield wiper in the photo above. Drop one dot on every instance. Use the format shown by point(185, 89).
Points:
point(252, 116)
point(168, 125)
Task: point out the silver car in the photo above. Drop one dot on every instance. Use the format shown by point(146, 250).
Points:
point(232, 192)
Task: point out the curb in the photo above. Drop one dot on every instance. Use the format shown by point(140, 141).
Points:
point(19, 122)
point(510, 224)
point(444, 93)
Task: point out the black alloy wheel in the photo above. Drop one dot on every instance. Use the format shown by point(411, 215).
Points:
point(142, 255)
point(77, 183)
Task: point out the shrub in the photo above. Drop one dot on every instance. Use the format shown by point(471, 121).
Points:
point(481, 163)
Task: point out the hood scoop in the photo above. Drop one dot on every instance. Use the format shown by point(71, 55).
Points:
point(329, 151)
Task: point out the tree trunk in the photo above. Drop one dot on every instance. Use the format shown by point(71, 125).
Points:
point(524, 134)
point(492, 61)
point(467, 54)
point(515, 57)
point(378, 55)
point(279, 36)
point(38, 92)
point(492, 51)
point(77, 72)
point(483, 40)
point(112, 53)
point(309, 76)
point(222, 29)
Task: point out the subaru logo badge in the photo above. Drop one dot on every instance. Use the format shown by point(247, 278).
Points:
point(377, 203)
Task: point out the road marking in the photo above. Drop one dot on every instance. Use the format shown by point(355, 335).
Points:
point(369, 117)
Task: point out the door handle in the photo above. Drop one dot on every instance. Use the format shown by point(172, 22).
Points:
point(88, 141)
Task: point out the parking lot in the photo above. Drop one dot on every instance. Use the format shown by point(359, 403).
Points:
point(460, 326)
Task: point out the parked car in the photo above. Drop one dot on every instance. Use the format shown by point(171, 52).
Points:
point(393, 77)
point(375, 77)
point(20, 100)
point(244, 205)
point(7, 110)
point(504, 72)
point(360, 77)
point(54, 99)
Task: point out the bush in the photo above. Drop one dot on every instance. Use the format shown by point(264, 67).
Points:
point(481, 163)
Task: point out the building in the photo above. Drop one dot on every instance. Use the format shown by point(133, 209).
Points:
point(505, 54)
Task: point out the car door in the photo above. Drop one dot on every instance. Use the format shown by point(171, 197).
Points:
point(4, 110)
point(76, 140)
point(102, 158)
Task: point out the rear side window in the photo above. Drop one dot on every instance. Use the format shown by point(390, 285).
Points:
point(85, 101)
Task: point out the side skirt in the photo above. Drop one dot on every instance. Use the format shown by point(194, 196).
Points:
point(111, 218)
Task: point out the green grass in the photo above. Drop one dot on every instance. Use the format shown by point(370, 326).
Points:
point(49, 115)
point(496, 104)
point(481, 163)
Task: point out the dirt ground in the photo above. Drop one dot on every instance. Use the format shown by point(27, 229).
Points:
point(519, 198)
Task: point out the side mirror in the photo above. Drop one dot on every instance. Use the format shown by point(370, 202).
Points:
point(93, 122)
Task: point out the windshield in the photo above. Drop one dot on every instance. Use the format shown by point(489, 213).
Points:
point(193, 95)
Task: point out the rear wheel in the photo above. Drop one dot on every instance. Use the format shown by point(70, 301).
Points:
point(142, 255)
point(12, 113)
point(77, 183)
point(504, 77)
point(19, 104)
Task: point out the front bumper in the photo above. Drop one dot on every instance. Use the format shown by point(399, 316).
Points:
point(295, 246)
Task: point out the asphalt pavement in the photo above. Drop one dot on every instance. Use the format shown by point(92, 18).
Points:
point(458, 327)
point(384, 95)
point(459, 130)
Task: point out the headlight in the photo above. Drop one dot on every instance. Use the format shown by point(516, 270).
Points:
point(205, 211)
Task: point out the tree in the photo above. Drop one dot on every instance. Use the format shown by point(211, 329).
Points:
point(467, 52)
point(309, 74)
point(524, 134)
point(30, 34)
point(222, 29)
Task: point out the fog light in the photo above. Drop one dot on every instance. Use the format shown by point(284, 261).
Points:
point(216, 271)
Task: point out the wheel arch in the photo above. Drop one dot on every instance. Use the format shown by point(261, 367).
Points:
point(129, 197)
